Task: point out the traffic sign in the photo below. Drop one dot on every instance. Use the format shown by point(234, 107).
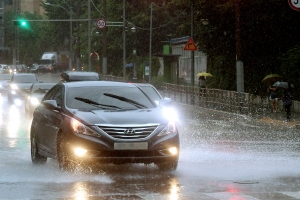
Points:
point(294, 4)
point(101, 23)
point(190, 45)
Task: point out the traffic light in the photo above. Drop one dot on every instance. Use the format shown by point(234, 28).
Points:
point(21, 23)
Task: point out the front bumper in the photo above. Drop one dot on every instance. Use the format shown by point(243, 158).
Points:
point(102, 150)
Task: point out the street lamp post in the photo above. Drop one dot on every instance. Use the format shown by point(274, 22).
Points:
point(133, 30)
point(239, 63)
point(71, 34)
point(150, 44)
point(124, 41)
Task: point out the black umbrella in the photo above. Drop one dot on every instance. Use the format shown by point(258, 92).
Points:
point(281, 84)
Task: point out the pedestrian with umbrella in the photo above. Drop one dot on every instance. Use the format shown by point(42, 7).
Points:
point(273, 96)
point(272, 90)
point(287, 98)
point(202, 79)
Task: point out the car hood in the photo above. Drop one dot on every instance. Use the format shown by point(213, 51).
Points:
point(140, 116)
point(24, 86)
point(39, 96)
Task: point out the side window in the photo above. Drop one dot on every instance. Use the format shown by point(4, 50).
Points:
point(50, 94)
point(58, 96)
point(56, 93)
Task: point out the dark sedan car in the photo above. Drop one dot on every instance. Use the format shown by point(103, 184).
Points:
point(19, 85)
point(99, 122)
point(35, 95)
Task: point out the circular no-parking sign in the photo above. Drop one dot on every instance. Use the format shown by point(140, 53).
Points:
point(101, 23)
point(295, 4)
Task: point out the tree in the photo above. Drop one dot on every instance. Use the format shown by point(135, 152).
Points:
point(29, 40)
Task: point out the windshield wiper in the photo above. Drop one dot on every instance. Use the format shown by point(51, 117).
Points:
point(132, 102)
point(88, 101)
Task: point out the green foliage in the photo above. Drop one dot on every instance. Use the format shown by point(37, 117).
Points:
point(30, 38)
point(158, 82)
point(269, 30)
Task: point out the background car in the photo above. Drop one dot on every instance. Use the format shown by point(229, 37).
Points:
point(19, 85)
point(4, 78)
point(36, 93)
point(100, 122)
point(38, 69)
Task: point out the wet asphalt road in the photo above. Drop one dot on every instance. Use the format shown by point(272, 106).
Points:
point(223, 156)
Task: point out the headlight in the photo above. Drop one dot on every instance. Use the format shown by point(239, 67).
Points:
point(170, 114)
point(34, 101)
point(80, 128)
point(169, 129)
point(14, 86)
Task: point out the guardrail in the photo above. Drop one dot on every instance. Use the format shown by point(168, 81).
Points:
point(221, 99)
point(112, 78)
point(226, 100)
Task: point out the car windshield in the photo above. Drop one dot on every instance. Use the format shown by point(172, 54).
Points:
point(151, 92)
point(24, 79)
point(107, 98)
point(41, 88)
point(5, 76)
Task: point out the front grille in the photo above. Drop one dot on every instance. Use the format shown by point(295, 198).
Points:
point(128, 132)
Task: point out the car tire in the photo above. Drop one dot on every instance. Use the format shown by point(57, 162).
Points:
point(36, 158)
point(64, 161)
point(168, 166)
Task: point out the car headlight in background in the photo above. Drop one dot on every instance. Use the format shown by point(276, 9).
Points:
point(80, 128)
point(14, 86)
point(34, 101)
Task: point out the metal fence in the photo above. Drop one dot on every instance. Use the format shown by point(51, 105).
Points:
point(112, 78)
point(226, 100)
point(221, 99)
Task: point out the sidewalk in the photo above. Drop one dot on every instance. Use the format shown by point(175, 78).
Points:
point(279, 118)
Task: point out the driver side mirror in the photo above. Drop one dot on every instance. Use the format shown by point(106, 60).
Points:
point(51, 104)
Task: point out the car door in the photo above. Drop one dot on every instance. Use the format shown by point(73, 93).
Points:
point(51, 120)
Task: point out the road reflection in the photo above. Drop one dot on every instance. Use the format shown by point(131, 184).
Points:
point(81, 191)
point(129, 181)
point(13, 123)
point(174, 189)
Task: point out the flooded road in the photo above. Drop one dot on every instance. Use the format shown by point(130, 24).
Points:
point(223, 156)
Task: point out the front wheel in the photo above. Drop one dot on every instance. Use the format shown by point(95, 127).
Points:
point(36, 158)
point(168, 166)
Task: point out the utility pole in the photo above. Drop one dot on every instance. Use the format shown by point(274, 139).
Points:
point(124, 42)
point(104, 39)
point(89, 34)
point(150, 44)
point(192, 53)
point(239, 63)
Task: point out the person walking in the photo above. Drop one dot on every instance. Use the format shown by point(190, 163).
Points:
point(201, 80)
point(273, 96)
point(287, 100)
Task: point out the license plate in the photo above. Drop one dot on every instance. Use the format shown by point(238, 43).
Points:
point(131, 146)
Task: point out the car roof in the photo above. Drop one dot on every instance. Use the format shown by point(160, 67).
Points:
point(45, 83)
point(142, 84)
point(24, 74)
point(97, 83)
point(69, 76)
